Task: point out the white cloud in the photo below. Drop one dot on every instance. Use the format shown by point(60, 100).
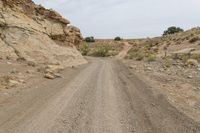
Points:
point(127, 18)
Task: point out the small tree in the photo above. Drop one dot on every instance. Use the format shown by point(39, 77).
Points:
point(172, 30)
point(118, 38)
point(90, 39)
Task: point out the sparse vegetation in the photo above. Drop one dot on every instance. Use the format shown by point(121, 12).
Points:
point(172, 30)
point(101, 48)
point(90, 39)
point(139, 57)
point(151, 58)
point(84, 49)
point(194, 39)
point(167, 63)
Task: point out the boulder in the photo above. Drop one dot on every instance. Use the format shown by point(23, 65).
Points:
point(49, 76)
point(192, 62)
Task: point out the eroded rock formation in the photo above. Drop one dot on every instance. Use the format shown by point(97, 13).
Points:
point(32, 33)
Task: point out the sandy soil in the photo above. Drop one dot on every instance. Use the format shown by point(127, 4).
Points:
point(101, 97)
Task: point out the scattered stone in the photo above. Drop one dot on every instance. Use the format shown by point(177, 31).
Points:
point(192, 62)
point(179, 67)
point(132, 67)
point(21, 81)
point(30, 63)
point(14, 71)
point(29, 72)
point(153, 104)
point(53, 68)
point(13, 83)
point(190, 76)
point(149, 68)
point(9, 63)
point(57, 75)
point(197, 88)
point(49, 76)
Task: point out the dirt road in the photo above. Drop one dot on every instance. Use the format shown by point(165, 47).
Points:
point(125, 50)
point(101, 97)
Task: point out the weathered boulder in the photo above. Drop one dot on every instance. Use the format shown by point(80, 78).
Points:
point(192, 62)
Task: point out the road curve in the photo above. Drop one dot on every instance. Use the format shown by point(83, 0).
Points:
point(101, 97)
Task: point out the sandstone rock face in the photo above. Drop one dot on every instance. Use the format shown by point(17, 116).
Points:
point(33, 33)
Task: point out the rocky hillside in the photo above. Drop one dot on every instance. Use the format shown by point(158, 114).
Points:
point(31, 33)
point(181, 46)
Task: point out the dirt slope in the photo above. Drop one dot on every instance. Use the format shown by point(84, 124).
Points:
point(102, 97)
point(122, 54)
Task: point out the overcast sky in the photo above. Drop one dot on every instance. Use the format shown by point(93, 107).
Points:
point(127, 18)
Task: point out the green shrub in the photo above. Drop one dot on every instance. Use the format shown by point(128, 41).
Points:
point(90, 39)
point(101, 52)
point(84, 49)
point(151, 58)
point(172, 30)
point(118, 38)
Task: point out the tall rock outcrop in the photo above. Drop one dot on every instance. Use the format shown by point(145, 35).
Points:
point(32, 33)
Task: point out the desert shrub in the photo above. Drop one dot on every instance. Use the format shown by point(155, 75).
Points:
point(194, 39)
point(172, 30)
point(151, 58)
point(101, 52)
point(139, 57)
point(196, 57)
point(118, 39)
point(84, 49)
point(167, 62)
point(90, 39)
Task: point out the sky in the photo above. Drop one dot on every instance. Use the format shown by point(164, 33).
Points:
point(127, 18)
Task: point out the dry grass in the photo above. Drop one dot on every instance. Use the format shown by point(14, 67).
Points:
point(104, 48)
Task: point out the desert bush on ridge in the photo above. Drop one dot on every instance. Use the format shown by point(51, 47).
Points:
point(118, 38)
point(90, 39)
point(172, 30)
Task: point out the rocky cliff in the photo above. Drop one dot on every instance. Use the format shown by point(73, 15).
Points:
point(29, 32)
